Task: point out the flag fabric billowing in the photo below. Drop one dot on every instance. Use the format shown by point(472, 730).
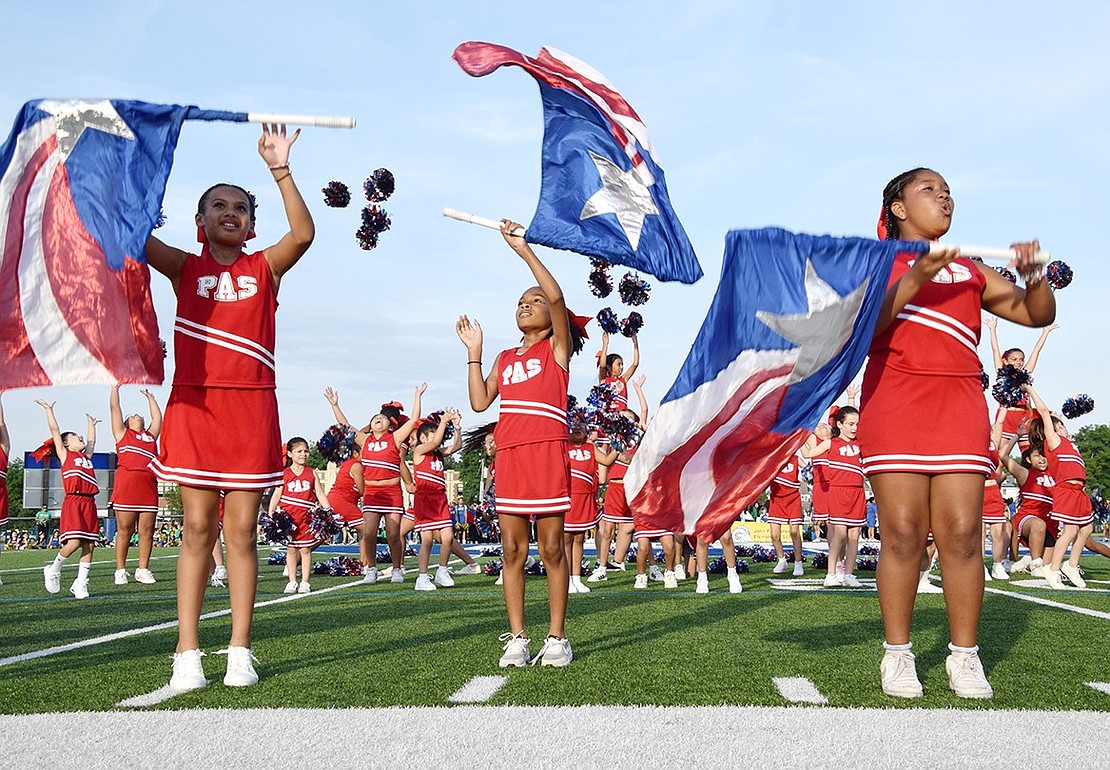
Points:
point(788, 329)
point(81, 186)
point(602, 193)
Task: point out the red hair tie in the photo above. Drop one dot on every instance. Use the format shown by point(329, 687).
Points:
point(881, 227)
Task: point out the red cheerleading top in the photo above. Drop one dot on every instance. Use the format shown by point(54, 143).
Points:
point(842, 463)
point(619, 467)
point(619, 387)
point(78, 475)
point(583, 469)
point(381, 459)
point(937, 332)
point(135, 451)
point(4, 504)
point(786, 481)
point(1065, 463)
point(1036, 493)
point(344, 487)
point(533, 389)
point(298, 491)
point(224, 329)
point(428, 475)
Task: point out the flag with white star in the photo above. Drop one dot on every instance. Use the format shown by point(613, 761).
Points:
point(788, 329)
point(603, 193)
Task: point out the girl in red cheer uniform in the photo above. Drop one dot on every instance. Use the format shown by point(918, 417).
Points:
point(432, 516)
point(135, 494)
point(299, 493)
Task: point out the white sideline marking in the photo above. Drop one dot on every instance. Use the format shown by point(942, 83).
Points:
point(106, 561)
point(479, 689)
point(1049, 603)
point(798, 689)
point(1042, 583)
point(156, 627)
point(163, 693)
point(867, 585)
point(1100, 686)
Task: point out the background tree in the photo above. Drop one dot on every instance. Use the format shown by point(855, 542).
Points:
point(15, 487)
point(171, 500)
point(1094, 444)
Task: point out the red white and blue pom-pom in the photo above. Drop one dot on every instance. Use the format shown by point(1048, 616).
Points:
point(764, 555)
point(821, 560)
point(1007, 385)
point(742, 567)
point(1058, 274)
point(868, 550)
point(277, 527)
point(631, 326)
point(493, 569)
point(161, 220)
point(867, 565)
point(383, 557)
point(490, 550)
point(375, 221)
point(436, 418)
point(984, 380)
point(336, 195)
point(634, 290)
point(277, 557)
point(1008, 274)
point(601, 285)
point(623, 433)
point(1078, 406)
point(324, 524)
point(379, 185)
point(608, 321)
point(338, 444)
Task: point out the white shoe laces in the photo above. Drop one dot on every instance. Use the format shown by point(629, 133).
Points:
point(238, 657)
point(548, 643)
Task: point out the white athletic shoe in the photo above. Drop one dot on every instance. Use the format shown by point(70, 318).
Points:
point(474, 568)
point(780, 567)
point(679, 572)
point(576, 581)
point(515, 653)
point(966, 677)
point(529, 562)
point(188, 672)
point(304, 588)
point(290, 587)
point(1073, 575)
point(500, 579)
point(734, 585)
point(998, 572)
point(52, 578)
point(986, 574)
point(669, 580)
point(443, 577)
point(1007, 565)
point(216, 582)
point(926, 586)
point(799, 570)
point(850, 581)
point(597, 576)
point(571, 587)
point(617, 565)
point(1037, 568)
point(121, 577)
point(220, 573)
point(369, 575)
point(899, 674)
point(1021, 565)
point(654, 573)
point(144, 576)
point(555, 652)
point(1052, 577)
point(397, 575)
point(240, 666)
point(424, 583)
point(80, 588)
point(834, 580)
point(641, 581)
point(702, 585)
point(285, 571)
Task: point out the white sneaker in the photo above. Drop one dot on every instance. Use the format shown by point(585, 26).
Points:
point(555, 652)
point(240, 666)
point(1037, 568)
point(834, 580)
point(576, 581)
point(121, 577)
point(188, 673)
point(80, 588)
point(780, 567)
point(304, 588)
point(1052, 577)
point(640, 582)
point(899, 674)
point(617, 565)
point(1073, 575)
point(424, 583)
point(702, 586)
point(290, 587)
point(529, 562)
point(285, 571)
point(734, 585)
point(1007, 565)
point(397, 575)
point(597, 575)
point(144, 576)
point(669, 580)
point(986, 574)
point(998, 572)
point(474, 568)
point(500, 579)
point(52, 579)
point(926, 586)
point(220, 573)
point(571, 587)
point(443, 577)
point(850, 581)
point(799, 570)
point(515, 653)
point(370, 575)
point(654, 573)
point(966, 677)
point(1021, 565)
point(679, 572)
point(216, 582)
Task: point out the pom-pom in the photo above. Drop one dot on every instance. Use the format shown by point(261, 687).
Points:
point(490, 551)
point(821, 560)
point(1078, 406)
point(277, 557)
point(338, 444)
point(631, 326)
point(1058, 274)
point(608, 321)
point(1007, 385)
point(601, 285)
point(161, 221)
point(324, 524)
point(984, 380)
point(336, 195)
point(1008, 274)
point(634, 290)
point(379, 185)
point(383, 557)
point(742, 567)
point(493, 569)
point(375, 221)
point(164, 351)
point(277, 527)
point(435, 418)
point(535, 568)
point(764, 556)
point(868, 550)
point(867, 565)
point(623, 432)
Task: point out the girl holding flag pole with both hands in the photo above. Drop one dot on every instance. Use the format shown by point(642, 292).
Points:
point(924, 353)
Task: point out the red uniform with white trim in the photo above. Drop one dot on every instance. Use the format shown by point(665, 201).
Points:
point(221, 427)
point(343, 497)
point(5, 506)
point(845, 476)
point(1012, 422)
point(298, 497)
point(78, 520)
point(381, 461)
point(583, 513)
point(786, 496)
point(1070, 504)
point(136, 487)
point(429, 504)
point(616, 508)
point(1036, 502)
point(533, 472)
point(925, 359)
point(819, 493)
point(994, 507)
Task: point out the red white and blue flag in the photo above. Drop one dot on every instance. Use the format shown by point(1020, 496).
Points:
point(81, 186)
point(603, 193)
point(788, 329)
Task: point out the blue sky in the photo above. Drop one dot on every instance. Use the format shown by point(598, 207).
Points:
point(762, 113)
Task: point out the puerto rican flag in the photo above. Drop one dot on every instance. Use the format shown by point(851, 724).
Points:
point(788, 329)
point(603, 192)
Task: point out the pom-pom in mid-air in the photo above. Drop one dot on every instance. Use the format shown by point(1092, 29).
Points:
point(1007, 385)
point(634, 290)
point(1078, 406)
point(337, 195)
point(277, 527)
point(338, 444)
point(379, 185)
point(631, 326)
point(375, 221)
point(1058, 274)
point(608, 321)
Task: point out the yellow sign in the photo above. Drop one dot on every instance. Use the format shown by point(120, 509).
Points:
point(751, 532)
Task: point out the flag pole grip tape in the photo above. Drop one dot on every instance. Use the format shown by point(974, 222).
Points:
point(462, 216)
point(322, 121)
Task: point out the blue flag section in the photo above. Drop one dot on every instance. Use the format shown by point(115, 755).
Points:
point(788, 329)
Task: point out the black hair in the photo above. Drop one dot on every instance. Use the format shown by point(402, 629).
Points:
point(474, 439)
point(611, 359)
point(892, 192)
point(1036, 432)
point(843, 412)
point(289, 448)
point(250, 197)
point(63, 436)
point(1012, 350)
point(1025, 461)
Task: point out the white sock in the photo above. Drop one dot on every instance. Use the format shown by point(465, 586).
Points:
point(703, 577)
point(964, 650)
point(83, 570)
point(897, 647)
point(59, 562)
point(732, 570)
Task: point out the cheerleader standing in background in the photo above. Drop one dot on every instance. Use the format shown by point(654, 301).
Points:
point(847, 507)
point(994, 507)
point(583, 514)
point(301, 492)
point(786, 508)
point(819, 490)
point(1015, 357)
point(430, 499)
point(1071, 508)
point(135, 494)
point(343, 498)
point(701, 564)
point(923, 354)
point(611, 372)
point(79, 526)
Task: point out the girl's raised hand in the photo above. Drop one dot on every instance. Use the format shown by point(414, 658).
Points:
point(146, 393)
point(92, 420)
point(639, 381)
point(45, 404)
point(937, 257)
point(419, 389)
point(274, 146)
point(516, 242)
point(852, 391)
point(332, 396)
point(823, 431)
point(990, 322)
point(470, 332)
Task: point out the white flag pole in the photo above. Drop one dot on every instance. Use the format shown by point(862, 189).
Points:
point(995, 254)
point(322, 121)
point(462, 216)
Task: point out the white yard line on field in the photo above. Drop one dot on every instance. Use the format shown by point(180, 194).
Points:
point(106, 561)
point(799, 690)
point(1048, 603)
point(478, 689)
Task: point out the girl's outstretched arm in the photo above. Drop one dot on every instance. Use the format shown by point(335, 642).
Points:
point(155, 426)
point(482, 390)
point(996, 351)
point(90, 432)
point(903, 290)
point(1036, 354)
point(601, 368)
point(165, 259)
point(635, 358)
point(55, 432)
point(560, 321)
point(274, 147)
point(401, 435)
point(116, 413)
point(1051, 437)
point(638, 386)
point(332, 397)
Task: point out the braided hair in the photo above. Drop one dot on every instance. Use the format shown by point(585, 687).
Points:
point(893, 192)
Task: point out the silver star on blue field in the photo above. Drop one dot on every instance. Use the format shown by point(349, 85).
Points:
point(72, 117)
point(622, 193)
point(822, 331)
